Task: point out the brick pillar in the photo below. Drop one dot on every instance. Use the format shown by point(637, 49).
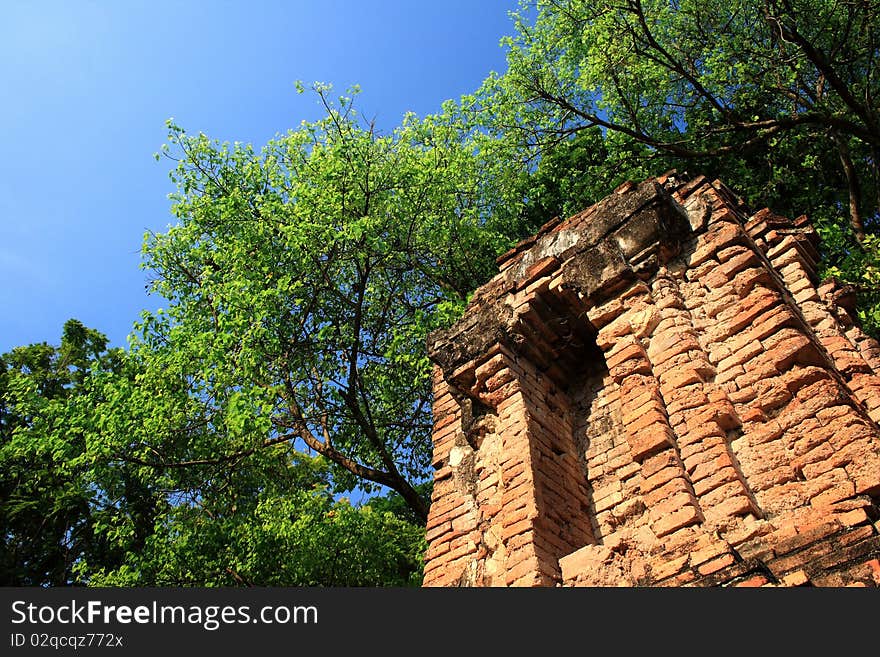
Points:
point(655, 392)
point(510, 498)
point(668, 495)
point(700, 410)
point(454, 512)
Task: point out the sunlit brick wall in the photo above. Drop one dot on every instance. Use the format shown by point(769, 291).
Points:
point(657, 391)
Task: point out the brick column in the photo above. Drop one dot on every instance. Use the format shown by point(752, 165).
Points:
point(664, 485)
point(700, 411)
point(510, 498)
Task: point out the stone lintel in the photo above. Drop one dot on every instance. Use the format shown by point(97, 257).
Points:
point(628, 235)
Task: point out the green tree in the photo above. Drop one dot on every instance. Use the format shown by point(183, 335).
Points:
point(268, 521)
point(50, 513)
point(74, 509)
point(789, 86)
point(302, 281)
point(288, 368)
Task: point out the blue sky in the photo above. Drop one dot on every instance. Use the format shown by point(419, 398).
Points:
point(87, 87)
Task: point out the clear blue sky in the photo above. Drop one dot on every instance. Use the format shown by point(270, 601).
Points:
point(87, 87)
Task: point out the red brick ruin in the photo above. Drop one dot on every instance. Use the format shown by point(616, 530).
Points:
point(657, 391)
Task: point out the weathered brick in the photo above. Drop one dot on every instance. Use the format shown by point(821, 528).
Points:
point(668, 523)
point(629, 350)
point(713, 550)
point(705, 410)
point(650, 440)
point(683, 377)
point(716, 564)
point(673, 486)
point(853, 518)
point(807, 536)
point(715, 480)
point(608, 502)
point(770, 322)
point(753, 581)
point(737, 505)
point(523, 567)
point(658, 462)
point(836, 493)
point(517, 528)
point(782, 565)
point(796, 578)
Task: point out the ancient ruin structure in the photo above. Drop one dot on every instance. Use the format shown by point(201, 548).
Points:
point(657, 391)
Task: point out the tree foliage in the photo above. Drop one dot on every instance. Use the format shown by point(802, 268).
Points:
point(76, 509)
point(722, 83)
point(302, 281)
point(51, 516)
point(270, 522)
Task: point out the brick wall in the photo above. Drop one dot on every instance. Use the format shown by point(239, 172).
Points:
point(657, 391)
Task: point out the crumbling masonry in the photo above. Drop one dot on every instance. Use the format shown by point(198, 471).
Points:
point(657, 391)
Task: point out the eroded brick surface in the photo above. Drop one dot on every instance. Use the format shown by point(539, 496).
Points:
point(657, 391)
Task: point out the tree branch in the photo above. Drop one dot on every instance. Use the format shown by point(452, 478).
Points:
point(853, 187)
point(790, 32)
